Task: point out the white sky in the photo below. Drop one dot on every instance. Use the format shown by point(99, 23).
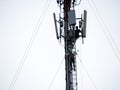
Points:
point(18, 19)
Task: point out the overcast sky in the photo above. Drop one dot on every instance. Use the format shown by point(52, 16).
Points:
point(21, 20)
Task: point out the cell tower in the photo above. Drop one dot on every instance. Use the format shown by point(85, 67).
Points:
point(69, 31)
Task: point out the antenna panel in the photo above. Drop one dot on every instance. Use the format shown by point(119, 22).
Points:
point(71, 17)
point(84, 24)
point(55, 25)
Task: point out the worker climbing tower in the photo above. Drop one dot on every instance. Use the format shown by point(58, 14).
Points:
point(70, 29)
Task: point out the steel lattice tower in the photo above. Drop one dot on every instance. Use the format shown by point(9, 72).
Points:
point(70, 32)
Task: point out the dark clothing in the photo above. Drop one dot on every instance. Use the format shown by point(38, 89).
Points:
point(77, 34)
point(72, 61)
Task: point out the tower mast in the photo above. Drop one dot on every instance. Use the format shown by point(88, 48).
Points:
point(68, 50)
point(70, 32)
